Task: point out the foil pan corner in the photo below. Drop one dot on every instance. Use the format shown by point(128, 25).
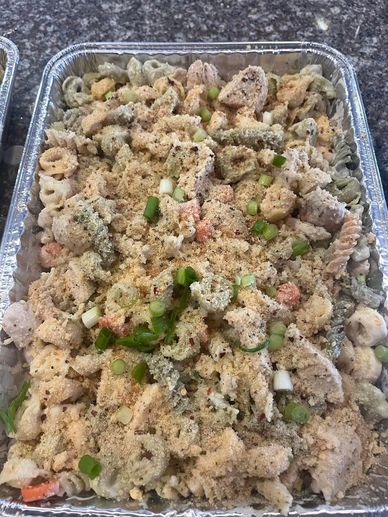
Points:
point(9, 58)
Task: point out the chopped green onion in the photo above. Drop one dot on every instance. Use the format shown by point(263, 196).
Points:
point(124, 415)
point(248, 280)
point(89, 466)
point(279, 160)
point(128, 96)
point(152, 208)
point(270, 291)
point(118, 367)
point(237, 280)
point(252, 207)
point(294, 412)
point(205, 114)
point(8, 416)
point(91, 317)
point(265, 180)
point(381, 353)
point(278, 327)
point(270, 232)
point(179, 195)
point(139, 371)
point(259, 227)
point(275, 342)
point(300, 248)
point(235, 289)
point(108, 95)
point(142, 339)
point(104, 338)
point(185, 276)
point(159, 324)
point(157, 308)
point(262, 345)
point(200, 135)
point(361, 279)
point(213, 92)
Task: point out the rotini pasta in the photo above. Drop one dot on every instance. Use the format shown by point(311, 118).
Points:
point(345, 244)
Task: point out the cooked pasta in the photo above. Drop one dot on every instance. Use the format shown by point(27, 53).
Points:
point(205, 322)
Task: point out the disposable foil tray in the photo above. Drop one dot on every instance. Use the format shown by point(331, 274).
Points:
point(9, 58)
point(19, 248)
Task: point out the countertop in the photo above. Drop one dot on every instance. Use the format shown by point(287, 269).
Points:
point(42, 28)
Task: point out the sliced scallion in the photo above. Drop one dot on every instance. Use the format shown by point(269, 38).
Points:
point(152, 208)
point(139, 371)
point(270, 232)
point(118, 367)
point(271, 291)
point(295, 412)
point(213, 93)
point(278, 327)
point(205, 114)
point(248, 280)
point(252, 207)
point(89, 466)
point(275, 342)
point(300, 247)
point(279, 160)
point(265, 180)
point(381, 353)
point(104, 338)
point(157, 308)
point(259, 227)
point(200, 135)
point(179, 195)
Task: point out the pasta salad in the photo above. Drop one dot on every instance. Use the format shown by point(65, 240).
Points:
point(209, 321)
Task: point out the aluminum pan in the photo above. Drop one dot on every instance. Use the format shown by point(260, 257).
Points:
point(18, 268)
point(9, 58)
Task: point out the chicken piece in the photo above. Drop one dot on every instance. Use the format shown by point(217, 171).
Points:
point(315, 374)
point(319, 207)
point(366, 327)
point(278, 203)
point(195, 99)
point(200, 73)
point(276, 493)
point(192, 164)
point(372, 401)
point(268, 461)
point(249, 326)
point(312, 232)
point(20, 323)
point(100, 88)
point(222, 193)
point(19, 472)
point(336, 463)
point(366, 367)
point(293, 88)
point(314, 315)
point(63, 333)
point(247, 88)
point(225, 218)
point(236, 162)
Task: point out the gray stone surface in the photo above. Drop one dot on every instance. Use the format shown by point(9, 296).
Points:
point(42, 28)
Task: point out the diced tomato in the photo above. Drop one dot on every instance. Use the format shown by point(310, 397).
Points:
point(41, 491)
point(190, 208)
point(50, 253)
point(111, 321)
point(288, 294)
point(204, 230)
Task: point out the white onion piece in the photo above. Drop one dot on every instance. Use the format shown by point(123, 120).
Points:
point(267, 118)
point(166, 186)
point(282, 381)
point(91, 317)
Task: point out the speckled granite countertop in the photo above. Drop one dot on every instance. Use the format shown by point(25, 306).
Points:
point(40, 28)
